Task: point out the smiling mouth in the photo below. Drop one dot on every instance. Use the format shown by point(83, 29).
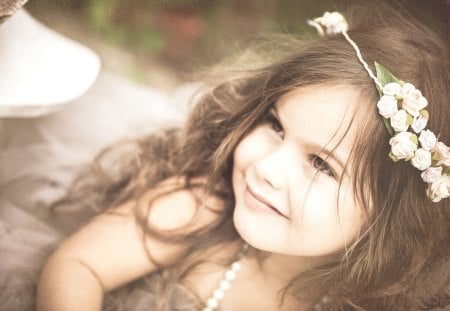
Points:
point(256, 201)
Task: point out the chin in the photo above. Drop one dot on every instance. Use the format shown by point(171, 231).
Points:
point(256, 231)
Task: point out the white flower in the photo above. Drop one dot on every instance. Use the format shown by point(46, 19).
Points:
point(403, 145)
point(432, 174)
point(399, 121)
point(392, 89)
point(413, 101)
point(387, 106)
point(427, 140)
point(444, 154)
point(419, 123)
point(440, 189)
point(421, 159)
point(406, 88)
point(333, 22)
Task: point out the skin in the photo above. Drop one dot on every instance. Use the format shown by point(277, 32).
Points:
point(279, 161)
point(285, 185)
point(108, 252)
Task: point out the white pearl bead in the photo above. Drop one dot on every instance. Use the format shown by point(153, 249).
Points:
point(224, 285)
point(230, 275)
point(212, 303)
point(236, 266)
point(219, 294)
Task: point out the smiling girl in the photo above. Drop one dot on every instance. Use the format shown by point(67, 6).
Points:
point(285, 190)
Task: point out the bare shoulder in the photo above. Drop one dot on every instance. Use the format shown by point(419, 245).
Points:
point(171, 206)
point(112, 245)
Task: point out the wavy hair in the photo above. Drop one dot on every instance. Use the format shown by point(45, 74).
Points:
point(404, 228)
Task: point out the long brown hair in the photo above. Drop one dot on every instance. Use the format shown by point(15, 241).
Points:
point(404, 228)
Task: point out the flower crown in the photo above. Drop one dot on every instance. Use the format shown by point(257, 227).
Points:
point(402, 107)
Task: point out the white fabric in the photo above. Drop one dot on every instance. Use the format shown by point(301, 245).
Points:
point(38, 159)
point(41, 70)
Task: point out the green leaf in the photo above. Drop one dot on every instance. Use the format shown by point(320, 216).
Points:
point(425, 114)
point(392, 156)
point(388, 126)
point(384, 75)
point(409, 119)
point(435, 157)
point(414, 139)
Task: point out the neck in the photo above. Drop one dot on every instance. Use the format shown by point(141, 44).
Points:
point(283, 268)
point(266, 278)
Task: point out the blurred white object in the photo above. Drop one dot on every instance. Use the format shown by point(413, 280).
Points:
point(42, 147)
point(40, 70)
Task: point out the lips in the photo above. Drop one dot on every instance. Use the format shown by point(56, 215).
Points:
point(260, 202)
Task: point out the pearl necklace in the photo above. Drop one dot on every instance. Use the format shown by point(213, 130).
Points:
point(224, 285)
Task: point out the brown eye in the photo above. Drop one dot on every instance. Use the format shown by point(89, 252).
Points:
point(275, 124)
point(321, 165)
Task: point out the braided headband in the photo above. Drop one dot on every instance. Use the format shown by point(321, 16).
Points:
point(402, 107)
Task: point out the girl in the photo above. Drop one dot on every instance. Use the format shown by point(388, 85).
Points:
point(285, 190)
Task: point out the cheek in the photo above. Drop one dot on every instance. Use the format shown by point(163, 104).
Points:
point(325, 227)
point(241, 162)
point(250, 148)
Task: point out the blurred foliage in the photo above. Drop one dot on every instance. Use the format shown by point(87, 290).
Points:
point(184, 32)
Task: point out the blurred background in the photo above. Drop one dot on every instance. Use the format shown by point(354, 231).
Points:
point(161, 42)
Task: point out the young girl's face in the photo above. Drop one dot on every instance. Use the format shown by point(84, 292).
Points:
point(286, 180)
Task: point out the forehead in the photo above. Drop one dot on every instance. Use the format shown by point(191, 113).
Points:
point(321, 115)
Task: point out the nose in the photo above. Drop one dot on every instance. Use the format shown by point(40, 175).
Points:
point(277, 168)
